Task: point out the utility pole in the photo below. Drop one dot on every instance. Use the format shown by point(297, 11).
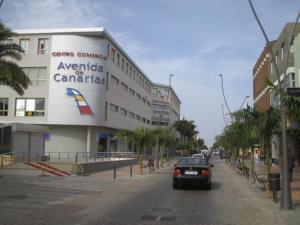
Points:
point(286, 197)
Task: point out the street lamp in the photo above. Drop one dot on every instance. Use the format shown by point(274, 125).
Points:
point(244, 101)
point(222, 85)
point(222, 106)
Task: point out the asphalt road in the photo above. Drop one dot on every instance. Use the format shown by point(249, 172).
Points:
point(148, 199)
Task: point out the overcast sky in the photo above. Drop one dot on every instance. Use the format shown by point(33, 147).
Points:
point(193, 39)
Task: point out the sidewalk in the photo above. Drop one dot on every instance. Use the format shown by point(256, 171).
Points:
point(261, 170)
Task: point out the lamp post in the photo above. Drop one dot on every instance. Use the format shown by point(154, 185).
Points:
point(286, 196)
point(223, 114)
point(244, 101)
point(223, 92)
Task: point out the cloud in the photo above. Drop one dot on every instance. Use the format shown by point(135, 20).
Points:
point(24, 14)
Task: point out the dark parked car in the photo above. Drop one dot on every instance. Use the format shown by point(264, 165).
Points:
point(192, 171)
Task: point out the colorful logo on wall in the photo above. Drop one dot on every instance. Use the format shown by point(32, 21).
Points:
point(83, 106)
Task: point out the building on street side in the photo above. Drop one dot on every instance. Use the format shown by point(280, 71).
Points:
point(84, 89)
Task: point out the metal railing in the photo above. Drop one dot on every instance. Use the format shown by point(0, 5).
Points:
point(71, 157)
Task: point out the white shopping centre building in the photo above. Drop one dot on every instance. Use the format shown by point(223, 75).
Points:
point(84, 89)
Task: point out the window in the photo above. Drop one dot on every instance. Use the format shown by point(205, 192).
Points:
point(107, 75)
point(114, 108)
point(127, 68)
point(131, 115)
point(43, 46)
point(282, 51)
point(271, 67)
point(3, 106)
point(37, 75)
point(124, 87)
point(123, 64)
point(148, 121)
point(118, 59)
point(138, 96)
point(144, 100)
point(133, 75)
point(154, 91)
point(7, 41)
point(276, 58)
point(105, 116)
point(143, 120)
point(137, 117)
point(148, 103)
point(114, 80)
point(293, 82)
point(24, 43)
point(123, 112)
point(30, 107)
point(112, 54)
point(130, 71)
point(132, 92)
point(108, 50)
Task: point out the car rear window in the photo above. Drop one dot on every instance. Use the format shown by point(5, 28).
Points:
point(192, 162)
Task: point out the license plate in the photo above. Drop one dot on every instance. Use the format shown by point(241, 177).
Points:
point(191, 172)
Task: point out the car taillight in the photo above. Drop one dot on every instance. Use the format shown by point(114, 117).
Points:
point(176, 173)
point(205, 173)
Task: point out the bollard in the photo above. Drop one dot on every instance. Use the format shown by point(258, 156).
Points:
point(115, 172)
point(274, 184)
point(130, 170)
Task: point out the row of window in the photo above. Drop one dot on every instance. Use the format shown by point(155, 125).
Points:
point(129, 69)
point(125, 112)
point(43, 45)
point(282, 54)
point(24, 107)
point(125, 88)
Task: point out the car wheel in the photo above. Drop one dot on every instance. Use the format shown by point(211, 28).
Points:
point(208, 186)
point(175, 186)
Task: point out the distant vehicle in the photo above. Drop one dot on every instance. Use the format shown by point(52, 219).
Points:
point(217, 153)
point(198, 156)
point(205, 152)
point(192, 171)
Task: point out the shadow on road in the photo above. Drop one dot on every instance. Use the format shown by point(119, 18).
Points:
point(215, 186)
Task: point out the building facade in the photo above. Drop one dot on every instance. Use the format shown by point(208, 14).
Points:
point(84, 88)
point(265, 69)
point(261, 72)
point(165, 105)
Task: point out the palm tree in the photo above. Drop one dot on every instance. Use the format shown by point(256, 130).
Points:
point(187, 130)
point(142, 137)
point(163, 139)
point(10, 73)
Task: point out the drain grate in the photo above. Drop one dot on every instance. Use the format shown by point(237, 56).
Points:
point(148, 217)
point(168, 218)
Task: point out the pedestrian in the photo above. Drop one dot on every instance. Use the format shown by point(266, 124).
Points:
point(291, 164)
point(256, 157)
